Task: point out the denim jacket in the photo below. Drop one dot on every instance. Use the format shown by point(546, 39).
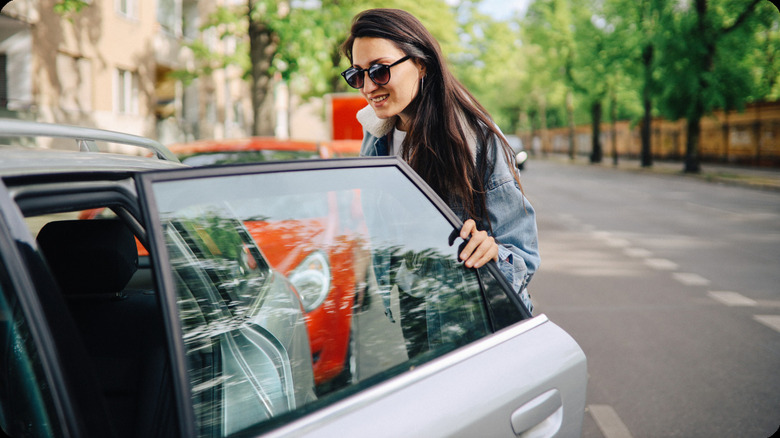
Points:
point(511, 215)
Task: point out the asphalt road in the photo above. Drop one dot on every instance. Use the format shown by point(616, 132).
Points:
point(671, 285)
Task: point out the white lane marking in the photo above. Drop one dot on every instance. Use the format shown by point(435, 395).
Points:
point(638, 252)
point(608, 421)
point(610, 240)
point(771, 321)
point(661, 264)
point(601, 234)
point(689, 279)
point(731, 298)
point(617, 242)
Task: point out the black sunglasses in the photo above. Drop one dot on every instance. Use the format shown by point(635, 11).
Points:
point(379, 74)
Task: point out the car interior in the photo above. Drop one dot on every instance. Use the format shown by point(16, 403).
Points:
point(93, 261)
point(110, 299)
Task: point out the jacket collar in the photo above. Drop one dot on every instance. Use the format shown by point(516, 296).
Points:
point(373, 124)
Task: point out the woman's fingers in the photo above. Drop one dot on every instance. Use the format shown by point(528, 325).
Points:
point(480, 249)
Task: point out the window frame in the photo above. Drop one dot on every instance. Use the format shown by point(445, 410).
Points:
point(125, 91)
point(127, 8)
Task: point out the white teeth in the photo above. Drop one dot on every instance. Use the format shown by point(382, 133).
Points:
point(379, 99)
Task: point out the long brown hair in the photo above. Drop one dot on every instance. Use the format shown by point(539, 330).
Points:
point(444, 115)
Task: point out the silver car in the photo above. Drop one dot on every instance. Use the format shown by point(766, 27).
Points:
point(190, 332)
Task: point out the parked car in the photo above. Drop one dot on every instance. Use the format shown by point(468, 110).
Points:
point(244, 150)
point(521, 156)
point(204, 338)
point(259, 149)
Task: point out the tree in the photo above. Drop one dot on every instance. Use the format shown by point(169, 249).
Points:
point(701, 62)
point(264, 18)
point(491, 65)
point(548, 25)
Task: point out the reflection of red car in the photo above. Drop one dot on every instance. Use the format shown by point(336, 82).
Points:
point(320, 265)
point(315, 251)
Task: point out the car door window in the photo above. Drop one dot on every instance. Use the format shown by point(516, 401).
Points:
point(298, 288)
point(26, 405)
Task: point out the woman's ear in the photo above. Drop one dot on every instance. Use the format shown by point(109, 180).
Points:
point(421, 69)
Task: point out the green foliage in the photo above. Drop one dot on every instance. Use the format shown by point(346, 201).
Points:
point(67, 8)
point(705, 58)
point(528, 64)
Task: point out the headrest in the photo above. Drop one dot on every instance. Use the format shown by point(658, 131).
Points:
point(89, 256)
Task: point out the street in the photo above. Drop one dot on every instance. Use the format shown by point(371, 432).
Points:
point(671, 286)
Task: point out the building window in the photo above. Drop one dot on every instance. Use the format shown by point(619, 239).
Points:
point(127, 8)
point(126, 92)
point(169, 16)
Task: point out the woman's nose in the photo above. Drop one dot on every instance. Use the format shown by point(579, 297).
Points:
point(368, 84)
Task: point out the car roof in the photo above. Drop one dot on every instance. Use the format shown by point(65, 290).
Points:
point(23, 161)
point(16, 160)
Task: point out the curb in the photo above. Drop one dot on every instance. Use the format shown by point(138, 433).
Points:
point(755, 178)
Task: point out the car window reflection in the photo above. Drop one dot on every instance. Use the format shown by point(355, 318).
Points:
point(298, 288)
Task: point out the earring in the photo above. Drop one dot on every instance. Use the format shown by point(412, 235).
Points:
point(422, 83)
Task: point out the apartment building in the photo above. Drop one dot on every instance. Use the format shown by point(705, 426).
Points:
point(108, 66)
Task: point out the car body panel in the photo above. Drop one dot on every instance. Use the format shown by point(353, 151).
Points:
point(446, 398)
point(25, 162)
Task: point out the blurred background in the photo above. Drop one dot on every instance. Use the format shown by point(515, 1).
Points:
point(650, 79)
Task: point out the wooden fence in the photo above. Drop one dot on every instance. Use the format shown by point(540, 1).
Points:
point(751, 137)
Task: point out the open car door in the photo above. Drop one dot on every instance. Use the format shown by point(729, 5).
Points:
point(247, 258)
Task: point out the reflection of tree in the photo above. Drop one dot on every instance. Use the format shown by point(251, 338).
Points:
point(226, 254)
point(440, 300)
point(220, 294)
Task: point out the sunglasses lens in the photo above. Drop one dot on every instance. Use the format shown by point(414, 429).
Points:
point(380, 74)
point(354, 77)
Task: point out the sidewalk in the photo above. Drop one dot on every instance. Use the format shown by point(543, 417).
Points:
point(758, 178)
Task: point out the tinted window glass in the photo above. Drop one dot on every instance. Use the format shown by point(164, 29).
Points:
point(26, 406)
point(298, 288)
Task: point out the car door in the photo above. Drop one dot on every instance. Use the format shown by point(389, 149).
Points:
point(435, 349)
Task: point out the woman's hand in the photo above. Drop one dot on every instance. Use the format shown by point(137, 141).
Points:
point(480, 249)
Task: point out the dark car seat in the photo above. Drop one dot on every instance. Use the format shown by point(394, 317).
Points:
point(93, 260)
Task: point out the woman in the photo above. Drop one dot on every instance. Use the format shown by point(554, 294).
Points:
point(423, 114)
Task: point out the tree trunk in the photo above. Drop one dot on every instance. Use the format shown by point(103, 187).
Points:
point(613, 119)
point(263, 43)
point(595, 114)
point(692, 162)
point(570, 117)
point(646, 125)
point(337, 83)
point(545, 135)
